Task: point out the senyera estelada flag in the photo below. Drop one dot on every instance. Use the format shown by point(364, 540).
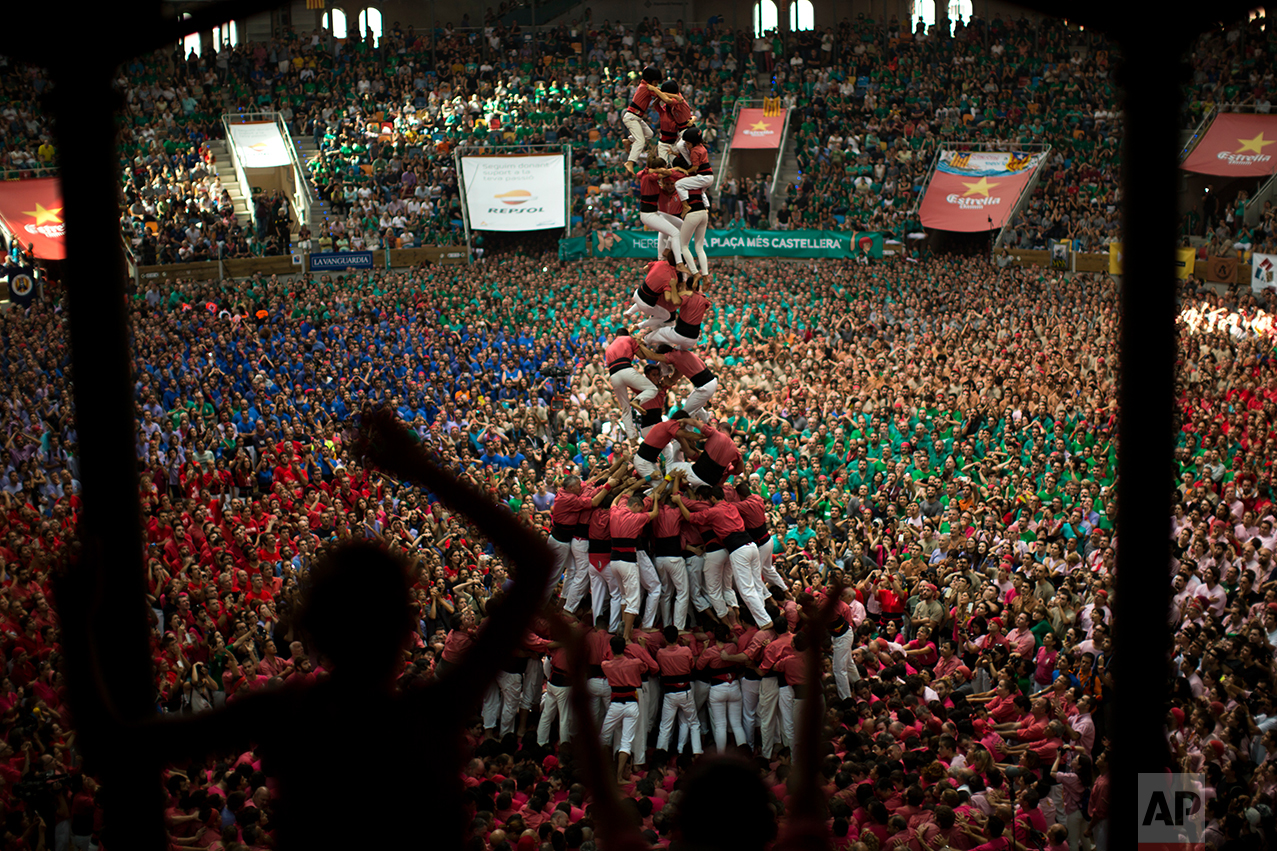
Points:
point(32, 211)
point(1236, 145)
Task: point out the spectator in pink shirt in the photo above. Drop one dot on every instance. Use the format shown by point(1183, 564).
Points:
point(1044, 661)
point(1021, 640)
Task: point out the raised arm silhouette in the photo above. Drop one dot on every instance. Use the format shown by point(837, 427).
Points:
point(401, 749)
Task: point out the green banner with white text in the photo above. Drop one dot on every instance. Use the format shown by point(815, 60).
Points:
point(736, 242)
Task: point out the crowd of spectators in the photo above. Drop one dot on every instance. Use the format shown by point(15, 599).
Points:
point(922, 431)
point(1232, 70)
point(872, 103)
point(907, 423)
point(870, 122)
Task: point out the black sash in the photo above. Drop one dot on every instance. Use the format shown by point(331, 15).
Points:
point(708, 470)
point(683, 329)
point(702, 378)
point(648, 452)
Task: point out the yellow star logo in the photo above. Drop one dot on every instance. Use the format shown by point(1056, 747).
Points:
point(42, 215)
point(1256, 145)
point(760, 125)
point(980, 187)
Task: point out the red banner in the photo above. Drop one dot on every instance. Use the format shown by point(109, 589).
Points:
point(967, 203)
point(756, 130)
point(1236, 145)
point(32, 211)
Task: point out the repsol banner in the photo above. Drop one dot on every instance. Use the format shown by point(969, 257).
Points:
point(736, 242)
point(515, 192)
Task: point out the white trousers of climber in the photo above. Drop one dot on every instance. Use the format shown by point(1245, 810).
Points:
point(624, 381)
point(680, 706)
point(648, 696)
point(669, 229)
point(577, 579)
point(725, 711)
point(749, 709)
point(600, 698)
point(667, 150)
point(691, 234)
point(667, 336)
point(533, 679)
point(769, 714)
point(600, 589)
point(654, 315)
point(791, 709)
point(619, 726)
point(563, 565)
point(766, 567)
point(673, 572)
point(640, 133)
point(555, 703)
point(511, 686)
point(686, 467)
point(616, 600)
point(695, 402)
point(743, 563)
point(845, 671)
point(490, 709)
point(687, 184)
point(717, 577)
point(650, 582)
point(627, 573)
point(695, 566)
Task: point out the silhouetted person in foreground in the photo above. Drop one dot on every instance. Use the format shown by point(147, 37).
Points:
point(396, 757)
point(724, 805)
point(402, 750)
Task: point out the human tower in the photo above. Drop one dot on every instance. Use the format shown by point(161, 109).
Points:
point(673, 552)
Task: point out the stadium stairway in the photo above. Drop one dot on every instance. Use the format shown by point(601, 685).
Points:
point(308, 152)
point(226, 174)
point(789, 171)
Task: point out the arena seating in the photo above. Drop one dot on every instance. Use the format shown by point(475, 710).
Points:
point(385, 122)
point(936, 435)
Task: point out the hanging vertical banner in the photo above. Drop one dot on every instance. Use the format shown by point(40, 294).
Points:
point(1060, 253)
point(1263, 272)
point(1185, 262)
point(515, 192)
point(1222, 270)
point(1115, 258)
point(21, 284)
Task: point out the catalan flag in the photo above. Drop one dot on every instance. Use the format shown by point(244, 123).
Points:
point(314, 4)
point(772, 107)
